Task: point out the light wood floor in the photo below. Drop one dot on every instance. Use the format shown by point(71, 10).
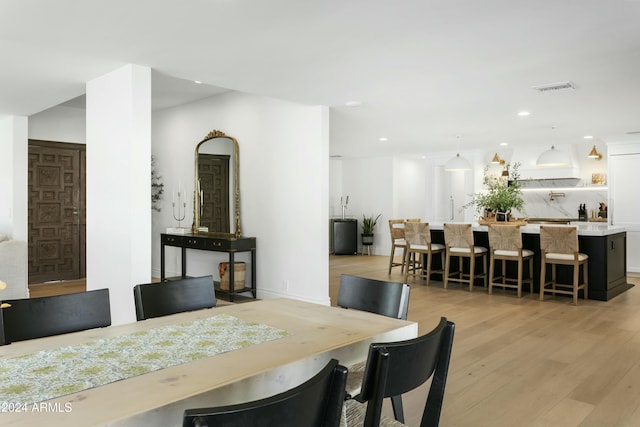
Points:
point(523, 362)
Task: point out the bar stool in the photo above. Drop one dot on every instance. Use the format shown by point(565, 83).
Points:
point(559, 245)
point(505, 244)
point(396, 228)
point(458, 239)
point(418, 238)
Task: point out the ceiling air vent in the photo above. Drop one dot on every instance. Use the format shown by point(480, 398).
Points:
point(556, 87)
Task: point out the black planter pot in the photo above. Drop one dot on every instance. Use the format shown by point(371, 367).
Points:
point(367, 239)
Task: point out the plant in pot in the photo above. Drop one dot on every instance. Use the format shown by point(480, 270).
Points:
point(503, 194)
point(368, 225)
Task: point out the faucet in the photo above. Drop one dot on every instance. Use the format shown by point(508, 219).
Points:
point(553, 195)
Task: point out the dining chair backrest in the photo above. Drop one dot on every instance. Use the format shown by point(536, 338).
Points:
point(417, 233)
point(31, 318)
point(175, 296)
point(395, 368)
point(505, 237)
point(458, 235)
point(376, 296)
point(316, 402)
point(559, 239)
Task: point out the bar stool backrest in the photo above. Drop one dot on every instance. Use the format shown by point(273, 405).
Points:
point(417, 233)
point(505, 237)
point(559, 240)
point(396, 227)
point(458, 235)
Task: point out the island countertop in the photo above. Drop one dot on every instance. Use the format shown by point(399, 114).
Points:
point(584, 228)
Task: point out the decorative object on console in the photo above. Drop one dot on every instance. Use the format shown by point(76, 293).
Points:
point(240, 269)
point(181, 213)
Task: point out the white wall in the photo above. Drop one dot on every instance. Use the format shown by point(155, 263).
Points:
point(60, 123)
point(394, 187)
point(13, 177)
point(284, 186)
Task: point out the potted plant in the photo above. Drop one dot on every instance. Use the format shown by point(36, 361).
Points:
point(368, 225)
point(503, 193)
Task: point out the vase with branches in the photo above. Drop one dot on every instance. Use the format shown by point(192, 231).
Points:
point(503, 193)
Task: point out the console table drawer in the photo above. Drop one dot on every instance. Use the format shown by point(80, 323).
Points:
point(171, 240)
point(195, 242)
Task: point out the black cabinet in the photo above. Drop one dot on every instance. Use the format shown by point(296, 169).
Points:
point(344, 236)
point(607, 265)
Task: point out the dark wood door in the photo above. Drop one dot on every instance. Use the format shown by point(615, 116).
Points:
point(213, 171)
point(56, 185)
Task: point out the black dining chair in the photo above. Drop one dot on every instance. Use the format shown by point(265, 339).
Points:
point(395, 368)
point(315, 403)
point(175, 296)
point(376, 296)
point(389, 299)
point(31, 318)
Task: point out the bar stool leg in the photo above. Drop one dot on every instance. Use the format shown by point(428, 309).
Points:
point(491, 271)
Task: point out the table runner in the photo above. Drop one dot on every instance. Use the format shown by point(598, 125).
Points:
point(53, 373)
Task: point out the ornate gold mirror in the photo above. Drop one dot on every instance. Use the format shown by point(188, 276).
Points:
point(217, 186)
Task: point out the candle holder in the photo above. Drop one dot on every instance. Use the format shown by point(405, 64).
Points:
point(181, 212)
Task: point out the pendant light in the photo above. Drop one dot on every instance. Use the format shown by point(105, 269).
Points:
point(457, 163)
point(553, 157)
point(593, 154)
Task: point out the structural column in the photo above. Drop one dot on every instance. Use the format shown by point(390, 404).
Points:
point(119, 185)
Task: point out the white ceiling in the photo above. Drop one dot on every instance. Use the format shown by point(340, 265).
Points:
point(432, 75)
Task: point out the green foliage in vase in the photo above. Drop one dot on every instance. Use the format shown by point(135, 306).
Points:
point(369, 223)
point(502, 194)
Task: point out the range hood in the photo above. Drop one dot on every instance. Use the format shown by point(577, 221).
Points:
point(527, 157)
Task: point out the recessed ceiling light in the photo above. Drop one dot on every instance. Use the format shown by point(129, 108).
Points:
point(383, 139)
point(198, 82)
point(353, 103)
point(504, 144)
point(523, 113)
point(588, 137)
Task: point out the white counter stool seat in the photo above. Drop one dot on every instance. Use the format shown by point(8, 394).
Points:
point(559, 246)
point(418, 238)
point(505, 244)
point(459, 242)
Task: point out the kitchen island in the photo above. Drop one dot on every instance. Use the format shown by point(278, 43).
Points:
point(605, 244)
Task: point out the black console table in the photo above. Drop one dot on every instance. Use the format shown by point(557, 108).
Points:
point(215, 244)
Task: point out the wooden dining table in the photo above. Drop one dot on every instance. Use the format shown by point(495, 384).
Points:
point(309, 336)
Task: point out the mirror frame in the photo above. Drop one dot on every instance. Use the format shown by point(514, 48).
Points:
point(237, 231)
